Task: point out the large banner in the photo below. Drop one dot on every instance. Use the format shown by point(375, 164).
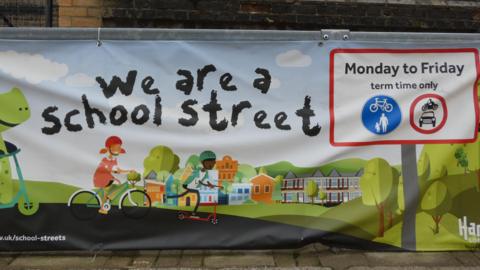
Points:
point(238, 144)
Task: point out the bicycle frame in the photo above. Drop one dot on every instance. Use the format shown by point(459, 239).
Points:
point(99, 193)
point(22, 190)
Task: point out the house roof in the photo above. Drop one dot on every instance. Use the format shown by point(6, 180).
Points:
point(318, 173)
point(152, 175)
point(334, 173)
point(261, 178)
point(289, 175)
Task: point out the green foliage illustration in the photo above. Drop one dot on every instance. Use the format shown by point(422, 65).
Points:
point(436, 202)
point(161, 158)
point(312, 190)
point(377, 185)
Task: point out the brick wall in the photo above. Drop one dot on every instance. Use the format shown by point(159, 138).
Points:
point(80, 13)
point(366, 15)
point(357, 15)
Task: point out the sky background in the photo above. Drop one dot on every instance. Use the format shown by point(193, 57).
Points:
point(60, 72)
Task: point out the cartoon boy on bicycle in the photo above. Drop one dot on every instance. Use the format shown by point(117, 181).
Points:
point(103, 177)
point(196, 177)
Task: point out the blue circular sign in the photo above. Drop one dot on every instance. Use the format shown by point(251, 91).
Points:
point(381, 115)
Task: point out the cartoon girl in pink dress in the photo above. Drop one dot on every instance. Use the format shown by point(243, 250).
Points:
point(103, 177)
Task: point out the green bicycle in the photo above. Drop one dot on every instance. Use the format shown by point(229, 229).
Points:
point(134, 203)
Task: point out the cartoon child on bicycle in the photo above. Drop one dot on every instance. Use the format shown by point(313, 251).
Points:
point(103, 177)
point(197, 177)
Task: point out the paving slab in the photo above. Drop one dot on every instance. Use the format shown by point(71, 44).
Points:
point(119, 261)
point(284, 259)
point(145, 259)
point(191, 259)
point(411, 259)
point(168, 258)
point(466, 258)
point(308, 259)
point(238, 260)
point(343, 260)
point(55, 262)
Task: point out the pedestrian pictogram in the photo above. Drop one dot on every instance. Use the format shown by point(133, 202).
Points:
point(381, 115)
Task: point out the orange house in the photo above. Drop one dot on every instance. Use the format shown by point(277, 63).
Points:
point(262, 188)
point(227, 168)
point(155, 190)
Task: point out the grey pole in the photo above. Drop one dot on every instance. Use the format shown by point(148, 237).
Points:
point(411, 192)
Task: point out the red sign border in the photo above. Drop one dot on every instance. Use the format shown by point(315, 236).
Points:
point(412, 111)
point(400, 51)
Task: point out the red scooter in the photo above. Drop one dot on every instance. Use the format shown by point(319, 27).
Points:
point(212, 217)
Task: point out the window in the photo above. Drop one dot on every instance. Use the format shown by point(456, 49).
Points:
point(246, 190)
point(289, 183)
point(240, 191)
point(209, 198)
point(267, 189)
point(334, 183)
point(334, 196)
point(256, 189)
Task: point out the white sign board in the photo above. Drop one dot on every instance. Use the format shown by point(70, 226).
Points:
point(408, 96)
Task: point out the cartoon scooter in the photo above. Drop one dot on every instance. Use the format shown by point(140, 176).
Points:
point(211, 217)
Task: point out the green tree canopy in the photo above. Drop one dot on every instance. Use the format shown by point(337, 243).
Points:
point(376, 184)
point(436, 202)
point(161, 158)
point(312, 190)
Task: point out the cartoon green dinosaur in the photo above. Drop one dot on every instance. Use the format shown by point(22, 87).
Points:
point(14, 110)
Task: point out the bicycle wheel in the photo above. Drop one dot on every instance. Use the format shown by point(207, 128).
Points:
point(84, 205)
point(29, 208)
point(135, 203)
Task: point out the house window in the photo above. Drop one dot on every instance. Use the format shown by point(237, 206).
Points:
point(267, 189)
point(290, 183)
point(256, 189)
point(334, 183)
point(246, 190)
point(239, 191)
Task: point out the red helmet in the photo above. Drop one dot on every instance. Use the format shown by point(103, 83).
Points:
point(113, 140)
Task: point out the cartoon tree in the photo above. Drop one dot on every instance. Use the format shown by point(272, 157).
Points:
point(376, 185)
point(391, 204)
point(462, 159)
point(262, 170)
point(162, 176)
point(246, 171)
point(161, 158)
point(193, 161)
point(312, 190)
point(423, 170)
point(436, 202)
point(322, 195)
point(277, 189)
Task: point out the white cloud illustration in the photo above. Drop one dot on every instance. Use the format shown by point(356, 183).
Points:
point(276, 83)
point(293, 58)
point(80, 80)
point(34, 68)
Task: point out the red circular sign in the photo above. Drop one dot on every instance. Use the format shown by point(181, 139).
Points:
point(412, 113)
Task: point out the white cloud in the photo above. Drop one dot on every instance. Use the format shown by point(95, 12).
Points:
point(293, 58)
point(276, 83)
point(34, 68)
point(80, 80)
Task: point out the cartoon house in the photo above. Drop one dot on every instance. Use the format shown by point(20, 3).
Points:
point(188, 200)
point(241, 192)
point(338, 187)
point(209, 196)
point(262, 188)
point(154, 188)
point(227, 168)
